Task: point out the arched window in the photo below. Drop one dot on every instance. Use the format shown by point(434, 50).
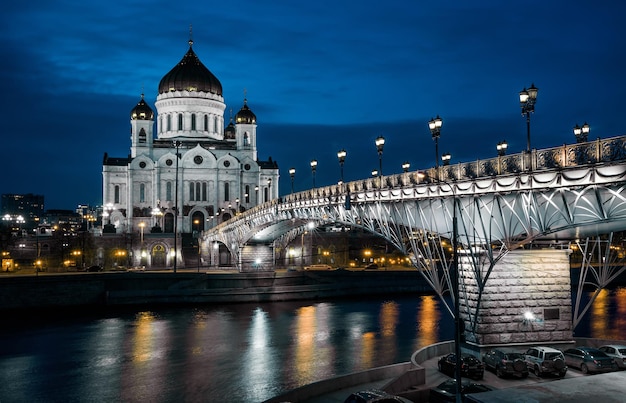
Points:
point(226, 191)
point(142, 193)
point(215, 125)
point(169, 123)
point(204, 191)
point(142, 135)
point(116, 194)
point(191, 192)
point(198, 190)
point(206, 123)
point(193, 121)
point(168, 191)
point(247, 194)
point(180, 121)
point(245, 139)
point(266, 194)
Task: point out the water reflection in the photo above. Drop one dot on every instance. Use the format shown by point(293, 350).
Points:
point(427, 322)
point(607, 316)
point(243, 352)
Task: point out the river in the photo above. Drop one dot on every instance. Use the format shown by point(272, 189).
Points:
point(227, 353)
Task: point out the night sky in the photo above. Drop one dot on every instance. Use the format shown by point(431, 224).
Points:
point(320, 76)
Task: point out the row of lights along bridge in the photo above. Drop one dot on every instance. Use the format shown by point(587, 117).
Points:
point(527, 99)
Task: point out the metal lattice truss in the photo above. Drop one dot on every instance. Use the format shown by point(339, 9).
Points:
point(494, 215)
point(602, 262)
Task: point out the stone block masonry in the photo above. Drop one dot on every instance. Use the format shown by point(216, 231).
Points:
point(525, 300)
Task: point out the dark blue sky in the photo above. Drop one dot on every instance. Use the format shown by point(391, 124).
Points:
point(320, 76)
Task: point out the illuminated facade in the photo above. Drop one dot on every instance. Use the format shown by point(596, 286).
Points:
point(217, 172)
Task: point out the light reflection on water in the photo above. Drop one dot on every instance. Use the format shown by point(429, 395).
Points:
point(247, 352)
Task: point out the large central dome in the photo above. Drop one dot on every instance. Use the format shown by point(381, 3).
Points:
point(190, 75)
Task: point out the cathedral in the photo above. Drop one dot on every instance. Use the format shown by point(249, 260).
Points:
point(194, 171)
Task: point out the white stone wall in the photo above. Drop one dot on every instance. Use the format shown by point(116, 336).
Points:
point(523, 281)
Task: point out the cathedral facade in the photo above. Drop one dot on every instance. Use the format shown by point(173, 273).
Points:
point(187, 170)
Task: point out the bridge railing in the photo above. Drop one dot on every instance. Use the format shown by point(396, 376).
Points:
point(568, 155)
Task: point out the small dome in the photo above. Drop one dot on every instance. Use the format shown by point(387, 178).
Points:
point(230, 131)
point(190, 75)
point(245, 115)
point(142, 111)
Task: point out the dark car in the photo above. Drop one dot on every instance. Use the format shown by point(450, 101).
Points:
point(371, 266)
point(505, 363)
point(471, 367)
point(94, 268)
point(589, 360)
point(374, 396)
point(446, 391)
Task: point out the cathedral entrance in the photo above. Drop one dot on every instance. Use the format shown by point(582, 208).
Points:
point(197, 222)
point(158, 256)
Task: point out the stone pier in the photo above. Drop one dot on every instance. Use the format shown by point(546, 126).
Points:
point(526, 300)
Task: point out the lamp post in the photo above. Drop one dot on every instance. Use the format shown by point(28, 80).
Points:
point(445, 158)
point(527, 99)
point(435, 130)
point(313, 169)
point(455, 288)
point(196, 233)
point(380, 143)
point(292, 174)
point(177, 145)
point(406, 166)
point(581, 133)
point(269, 189)
point(374, 172)
point(501, 147)
point(341, 155)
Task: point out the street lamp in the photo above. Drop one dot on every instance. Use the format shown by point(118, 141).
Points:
point(341, 155)
point(455, 277)
point(581, 133)
point(446, 158)
point(313, 169)
point(406, 166)
point(374, 172)
point(501, 147)
point(527, 99)
point(177, 144)
point(435, 130)
point(380, 143)
point(292, 174)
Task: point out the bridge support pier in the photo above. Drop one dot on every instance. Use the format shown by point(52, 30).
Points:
point(526, 300)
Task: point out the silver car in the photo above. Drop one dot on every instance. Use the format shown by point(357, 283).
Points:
point(589, 360)
point(618, 352)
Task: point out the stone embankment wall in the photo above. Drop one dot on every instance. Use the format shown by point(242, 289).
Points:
point(527, 299)
point(113, 289)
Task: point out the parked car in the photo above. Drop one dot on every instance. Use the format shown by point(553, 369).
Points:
point(375, 396)
point(471, 367)
point(545, 360)
point(318, 267)
point(505, 363)
point(589, 360)
point(446, 391)
point(371, 266)
point(618, 352)
point(94, 268)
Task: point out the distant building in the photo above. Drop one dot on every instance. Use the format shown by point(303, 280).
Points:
point(22, 210)
point(217, 171)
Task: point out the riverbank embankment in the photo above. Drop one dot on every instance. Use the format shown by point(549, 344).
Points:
point(143, 288)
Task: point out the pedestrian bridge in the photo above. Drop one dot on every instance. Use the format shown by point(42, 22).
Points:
point(552, 197)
